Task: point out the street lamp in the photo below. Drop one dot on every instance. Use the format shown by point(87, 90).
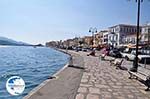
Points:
point(135, 65)
point(93, 30)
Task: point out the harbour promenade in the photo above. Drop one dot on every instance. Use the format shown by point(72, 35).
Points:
point(64, 86)
point(97, 80)
point(102, 81)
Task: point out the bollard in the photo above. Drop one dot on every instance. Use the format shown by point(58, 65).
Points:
point(145, 63)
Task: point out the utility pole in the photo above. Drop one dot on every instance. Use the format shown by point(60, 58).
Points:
point(135, 66)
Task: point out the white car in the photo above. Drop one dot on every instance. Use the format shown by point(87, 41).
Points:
point(128, 56)
point(142, 58)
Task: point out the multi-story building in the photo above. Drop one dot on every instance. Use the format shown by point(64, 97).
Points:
point(88, 41)
point(130, 39)
point(145, 35)
point(99, 38)
point(105, 37)
point(119, 33)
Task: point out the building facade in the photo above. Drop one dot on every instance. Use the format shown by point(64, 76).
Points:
point(105, 37)
point(88, 41)
point(119, 34)
point(145, 35)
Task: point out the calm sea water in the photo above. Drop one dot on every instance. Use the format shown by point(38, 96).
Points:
point(34, 65)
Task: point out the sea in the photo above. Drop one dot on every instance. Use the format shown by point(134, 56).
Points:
point(33, 64)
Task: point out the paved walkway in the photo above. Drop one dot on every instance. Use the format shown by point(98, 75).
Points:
point(65, 85)
point(101, 81)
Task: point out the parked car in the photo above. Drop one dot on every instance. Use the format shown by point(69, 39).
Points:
point(78, 49)
point(115, 53)
point(84, 49)
point(127, 54)
point(146, 51)
point(143, 58)
point(132, 55)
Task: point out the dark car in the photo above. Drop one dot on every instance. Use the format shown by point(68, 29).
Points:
point(84, 49)
point(78, 49)
point(115, 53)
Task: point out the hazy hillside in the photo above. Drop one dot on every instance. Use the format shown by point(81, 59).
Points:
point(7, 41)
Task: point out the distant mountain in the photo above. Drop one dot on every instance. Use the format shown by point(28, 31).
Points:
point(7, 41)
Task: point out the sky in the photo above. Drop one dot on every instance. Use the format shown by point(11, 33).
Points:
point(39, 21)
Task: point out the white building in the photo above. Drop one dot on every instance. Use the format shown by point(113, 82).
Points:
point(105, 37)
point(119, 33)
point(145, 35)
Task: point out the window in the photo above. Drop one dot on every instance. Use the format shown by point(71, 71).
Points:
point(120, 29)
point(140, 30)
point(134, 29)
point(109, 37)
point(148, 30)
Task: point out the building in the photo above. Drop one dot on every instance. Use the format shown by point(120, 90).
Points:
point(130, 39)
point(88, 41)
point(112, 39)
point(52, 44)
point(145, 35)
point(105, 37)
point(118, 34)
point(96, 39)
point(68, 43)
point(99, 38)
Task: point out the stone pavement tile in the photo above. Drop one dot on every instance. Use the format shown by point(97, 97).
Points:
point(104, 90)
point(82, 90)
point(107, 97)
point(129, 87)
point(85, 77)
point(117, 89)
point(139, 94)
point(109, 90)
point(116, 86)
point(86, 85)
point(92, 96)
point(101, 86)
point(142, 98)
point(130, 96)
point(126, 91)
point(111, 83)
point(115, 93)
point(91, 83)
point(118, 83)
point(80, 96)
point(84, 80)
point(120, 97)
point(106, 94)
point(135, 90)
point(94, 90)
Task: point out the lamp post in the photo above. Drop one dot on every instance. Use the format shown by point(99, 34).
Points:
point(135, 65)
point(93, 30)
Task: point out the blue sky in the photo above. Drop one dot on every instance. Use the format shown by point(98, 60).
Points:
point(38, 21)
